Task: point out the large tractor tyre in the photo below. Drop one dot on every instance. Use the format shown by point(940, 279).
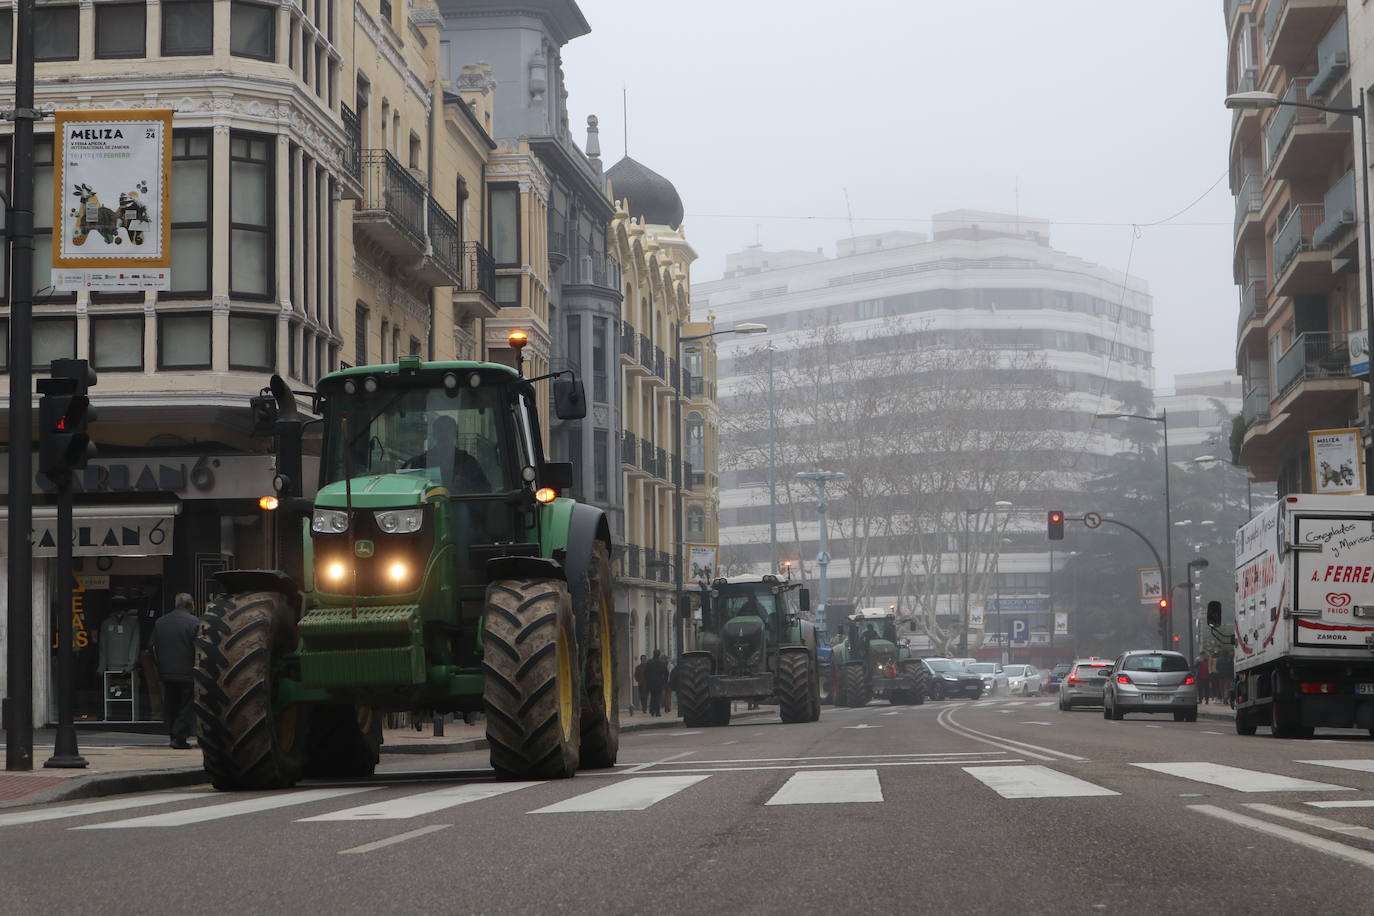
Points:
point(917, 672)
point(854, 686)
point(345, 741)
point(815, 690)
point(533, 689)
point(246, 744)
point(793, 685)
point(694, 691)
point(601, 699)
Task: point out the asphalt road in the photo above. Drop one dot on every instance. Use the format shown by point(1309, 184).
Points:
point(1000, 806)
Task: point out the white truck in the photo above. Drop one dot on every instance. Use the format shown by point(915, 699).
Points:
point(1304, 627)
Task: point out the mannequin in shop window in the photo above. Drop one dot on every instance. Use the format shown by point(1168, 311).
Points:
point(119, 639)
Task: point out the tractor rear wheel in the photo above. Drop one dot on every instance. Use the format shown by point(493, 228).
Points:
point(532, 689)
point(917, 672)
point(245, 742)
point(694, 691)
point(854, 686)
point(344, 741)
point(793, 685)
point(601, 700)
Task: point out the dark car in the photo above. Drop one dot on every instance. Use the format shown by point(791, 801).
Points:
point(947, 678)
point(1049, 683)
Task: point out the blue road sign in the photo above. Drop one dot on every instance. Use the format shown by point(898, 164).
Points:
point(1018, 630)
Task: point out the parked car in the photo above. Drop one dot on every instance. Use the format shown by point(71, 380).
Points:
point(1050, 680)
point(1151, 680)
point(1084, 683)
point(1022, 680)
point(994, 678)
point(947, 678)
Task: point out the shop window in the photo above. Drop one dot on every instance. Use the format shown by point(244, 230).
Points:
point(121, 30)
point(6, 36)
point(696, 524)
point(191, 184)
point(505, 240)
point(252, 30)
point(252, 342)
point(117, 343)
point(188, 27)
point(55, 31)
point(4, 252)
point(251, 265)
point(183, 341)
point(53, 338)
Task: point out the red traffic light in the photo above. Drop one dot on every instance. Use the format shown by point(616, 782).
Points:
point(1163, 604)
point(1056, 525)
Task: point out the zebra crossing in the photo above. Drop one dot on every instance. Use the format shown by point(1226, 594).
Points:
point(841, 782)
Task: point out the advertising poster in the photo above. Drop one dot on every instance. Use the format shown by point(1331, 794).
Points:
point(975, 617)
point(112, 200)
point(1151, 586)
point(1337, 465)
point(702, 562)
point(1061, 623)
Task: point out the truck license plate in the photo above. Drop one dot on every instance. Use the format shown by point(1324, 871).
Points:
point(1364, 688)
point(1159, 698)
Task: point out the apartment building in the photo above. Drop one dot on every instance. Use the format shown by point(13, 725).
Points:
point(1199, 407)
point(1296, 255)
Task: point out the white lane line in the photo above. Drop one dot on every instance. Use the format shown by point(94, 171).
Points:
point(861, 725)
point(392, 841)
point(631, 795)
point(1036, 751)
point(229, 809)
point(1214, 733)
point(1360, 766)
point(653, 763)
point(1240, 780)
point(728, 743)
point(98, 807)
point(985, 703)
point(681, 734)
point(694, 768)
point(1331, 848)
point(893, 713)
point(1154, 726)
point(1037, 723)
point(1046, 703)
point(839, 757)
point(1034, 782)
point(408, 806)
point(829, 787)
point(1312, 820)
point(1363, 803)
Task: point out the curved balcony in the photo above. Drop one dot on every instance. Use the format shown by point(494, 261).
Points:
point(1300, 142)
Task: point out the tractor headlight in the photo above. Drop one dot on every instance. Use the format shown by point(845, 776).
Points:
point(335, 571)
point(329, 521)
point(400, 521)
point(398, 572)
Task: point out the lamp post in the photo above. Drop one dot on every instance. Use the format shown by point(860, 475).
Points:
point(1249, 499)
point(772, 469)
point(821, 478)
point(1257, 101)
point(1162, 420)
point(678, 340)
point(1199, 563)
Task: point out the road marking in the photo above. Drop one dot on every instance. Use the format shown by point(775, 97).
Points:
point(831, 757)
point(1238, 779)
point(631, 795)
point(1046, 703)
point(861, 725)
point(694, 767)
point(681, 734)
point(1037, 723)
point(728, 743)
point(1154, 726)
point(1341, 804)
point(392, 841)
point(1036, 751)
point(1361, 766)
point(893, 713)
point(98, 807)
point(654, 763)
point(829, 787)
point(408, 806)
point(228, 809)
point(1214, 733)
point(1312, 820)
point(1008, 712)
point(985, 703)
point(1034, 782)
point(1331, 848)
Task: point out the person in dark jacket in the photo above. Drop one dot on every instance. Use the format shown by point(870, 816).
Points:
point(656, 679)
point(174, 648)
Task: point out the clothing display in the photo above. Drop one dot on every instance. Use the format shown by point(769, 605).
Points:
point(119, 641)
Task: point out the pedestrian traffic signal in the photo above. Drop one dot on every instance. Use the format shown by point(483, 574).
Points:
point(64, 414)
point(1056, 523)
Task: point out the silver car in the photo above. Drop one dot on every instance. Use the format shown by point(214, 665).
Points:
point(1151, 680)
point(994, 678)
point(1022, 680)
point(1082, 686)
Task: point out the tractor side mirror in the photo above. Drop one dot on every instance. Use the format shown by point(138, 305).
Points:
point(1213, 613)
point(264, 408)
point(558, 475)
point(804, 601)
point(569, 400)
point(284, 396)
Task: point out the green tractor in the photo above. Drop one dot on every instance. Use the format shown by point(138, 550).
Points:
point(871, 662)
point(751, 644)
point(437, 570)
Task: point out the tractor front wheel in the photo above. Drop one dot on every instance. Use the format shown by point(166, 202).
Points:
point(854, 686)
point(246, 743)
point(601, 701)
point(917, 672)
point(793, 685)
point(694, 691)
point(532, 689)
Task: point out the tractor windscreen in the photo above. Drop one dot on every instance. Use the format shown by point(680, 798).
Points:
point(747, 602)
point(453, 440)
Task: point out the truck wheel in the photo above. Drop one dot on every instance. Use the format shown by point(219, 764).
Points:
point(345, 741)
point(854, 688)
point(694, 691)
point(601, 702)
point(1245, 722)
point(793, 685)
point(532, 689)
point(246, 743)
point(917, 672)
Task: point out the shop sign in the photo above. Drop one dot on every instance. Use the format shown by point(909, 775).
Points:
point(81, 638)
point(1337, 462)
point(103, 531)
point(1359, 353)
point(703, 562)
point(1017, 603)
point(188, 476)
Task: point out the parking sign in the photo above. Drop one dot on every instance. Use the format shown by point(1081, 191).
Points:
point(1018, 631)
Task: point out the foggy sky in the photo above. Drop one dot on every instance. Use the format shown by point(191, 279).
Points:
point(1102, 112)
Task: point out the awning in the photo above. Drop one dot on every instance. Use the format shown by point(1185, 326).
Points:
point(102, 531)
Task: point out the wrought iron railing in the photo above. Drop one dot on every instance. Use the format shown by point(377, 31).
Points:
point(389, 186)
point(445, 244)
point(659, 368)
point(479, 270)
point(627, 339)
point(595, 269)
point(627, 449)
point(353, 142)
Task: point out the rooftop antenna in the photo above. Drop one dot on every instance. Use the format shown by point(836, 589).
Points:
point(850, 211)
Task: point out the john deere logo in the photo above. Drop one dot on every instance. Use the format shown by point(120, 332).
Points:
point(363, 549)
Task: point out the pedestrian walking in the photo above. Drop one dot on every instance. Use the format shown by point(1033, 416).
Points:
point(1204, 677)
point(174, 648)
point(1225, 677)
point(641, 684)
point(674, 679)
point(656, 679)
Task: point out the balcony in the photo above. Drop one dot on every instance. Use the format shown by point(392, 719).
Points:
point(1253, 305)
point(1300, 264)
point(1298, 142)
point(674, 378)
point(595, 269)
point(392, 215)
point(1255, 405)
point(1333, 59)
point(1292, 28)
point(661, 465)
point(627, 450)
point(696, 386)
point(646, 458)
point(558, 239)
point(633, 569)
point(476, 297)
point(351, 188)
point(1248, 200)
point(443, 265)
point(1313, 355)
point(1248, 82)
point(1337, 229)
point(660, 369)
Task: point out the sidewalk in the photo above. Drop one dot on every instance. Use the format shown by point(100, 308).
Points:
point(123, 762)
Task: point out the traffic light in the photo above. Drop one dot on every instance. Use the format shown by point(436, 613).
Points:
point(1056, 522)
point(64, 414)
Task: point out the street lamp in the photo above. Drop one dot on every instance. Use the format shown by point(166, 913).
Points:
point(678, 339)
point(1213, 459)
point(1199, 563)
point(1163, 420)
point(1257, 101)
point(821, 478)
point(772, 468)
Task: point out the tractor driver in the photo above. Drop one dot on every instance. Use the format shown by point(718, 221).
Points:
point(869, 635)
point(458, 470)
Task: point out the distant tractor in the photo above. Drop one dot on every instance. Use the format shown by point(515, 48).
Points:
point(752, 643)
point(438, 569)
point(871, 662)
